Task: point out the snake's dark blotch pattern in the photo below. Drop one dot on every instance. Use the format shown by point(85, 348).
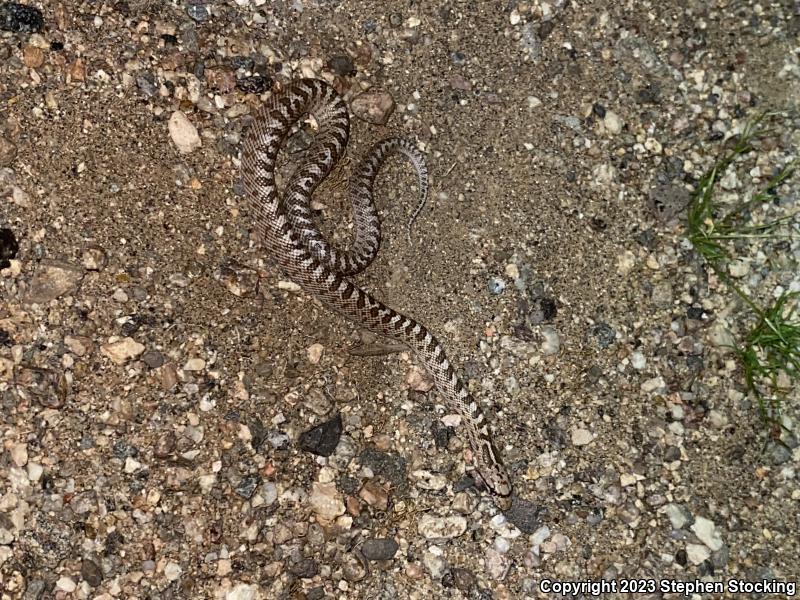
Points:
point(285, 225)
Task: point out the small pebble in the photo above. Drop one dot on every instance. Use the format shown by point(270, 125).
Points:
point(540, 535)
point(374, 495)
point(707, 533)
point(721, 337)
point(32, 57)
point(120, 351)
point(8, 152)
point(194, 364)
point(183, 133)
point(433, 562)
point(373, 107)
point(496, 286)
point(432, 527)
point(552, 341)
point(248, 486)
point(35, 471)
point(464, 580)
point(153, 359)
point(325, 501)
point(426, 480)
point(678, 517)
point(66, 584)
point(654, 384)
point(314, 353)
point(380, 549)
point(243, 591)
point(464, 503)
point(613, 123)
point(91, 572)
point(739, 268)
point(198, 12)
point(322, 439)
point(697, 553)
point(497, 564)
point(172, 571)
point(419, 380)
point(289, 286)
point(19, 454)
point(254, 84)
point(458, 58)
point(342, 65)
point(21, 18)
point(53, 279)
point(94, 258)
point(581, 437)
point(502, 545)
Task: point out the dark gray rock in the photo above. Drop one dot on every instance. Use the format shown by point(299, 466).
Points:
point(380, 549)
point(20, 18)
point(322, 439)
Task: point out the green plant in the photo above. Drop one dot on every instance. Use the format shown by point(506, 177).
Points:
point(770, 352)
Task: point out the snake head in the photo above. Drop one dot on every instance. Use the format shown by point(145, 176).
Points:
point(492, 471)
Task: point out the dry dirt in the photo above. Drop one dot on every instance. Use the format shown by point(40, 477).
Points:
point(559, 282)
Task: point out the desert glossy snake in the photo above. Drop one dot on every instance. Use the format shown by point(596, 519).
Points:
point(286, 228)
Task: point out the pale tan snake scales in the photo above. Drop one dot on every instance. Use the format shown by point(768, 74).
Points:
point(286, 229)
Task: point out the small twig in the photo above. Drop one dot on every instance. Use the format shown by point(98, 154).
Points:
point(376, 349)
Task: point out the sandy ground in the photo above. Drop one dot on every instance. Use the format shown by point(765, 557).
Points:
point(157, 372)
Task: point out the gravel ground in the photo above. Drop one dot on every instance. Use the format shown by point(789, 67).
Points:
point(178, 421)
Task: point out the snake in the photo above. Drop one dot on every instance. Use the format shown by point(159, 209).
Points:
point(285, 227)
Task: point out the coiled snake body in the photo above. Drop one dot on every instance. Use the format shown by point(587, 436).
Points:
point(286, 229)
